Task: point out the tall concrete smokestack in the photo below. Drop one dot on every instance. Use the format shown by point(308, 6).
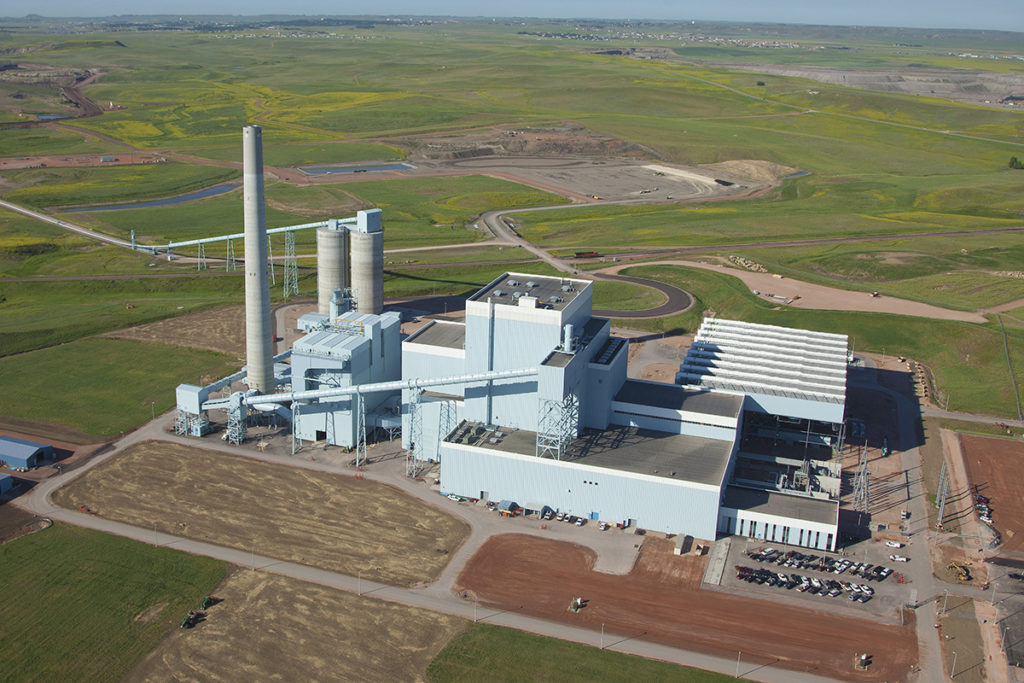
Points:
point(259, 356)
point(368, 262)
point(331, 263)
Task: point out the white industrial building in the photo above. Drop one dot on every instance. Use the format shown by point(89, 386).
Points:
point(528, 399)
point(742, 444)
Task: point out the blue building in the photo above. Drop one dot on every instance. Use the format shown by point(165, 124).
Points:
point(19, 453)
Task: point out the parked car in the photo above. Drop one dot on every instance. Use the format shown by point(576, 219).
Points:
point(603, 526)
point(899, 558)
point(894, 544)
point(580, 521)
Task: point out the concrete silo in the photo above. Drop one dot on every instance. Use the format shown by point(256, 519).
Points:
point(332, 246)
point(258, 330)
point(368, 262)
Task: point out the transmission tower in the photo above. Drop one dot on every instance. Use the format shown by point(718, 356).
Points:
point(291, 266)
point(860, 484)
point(415, 434)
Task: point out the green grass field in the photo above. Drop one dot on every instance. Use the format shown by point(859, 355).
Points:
point(417, 211)
point(503, 654)
point(880, 164)
point(296, 154)
point(948, 271)
point(88, 605)
point(117, 383)
point(967, 360)
point(36, 314)
point(46, 187)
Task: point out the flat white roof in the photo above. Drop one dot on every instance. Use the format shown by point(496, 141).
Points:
point(767, 359)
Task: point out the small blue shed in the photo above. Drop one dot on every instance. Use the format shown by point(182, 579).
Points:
point(16, 453)
point(6, 483)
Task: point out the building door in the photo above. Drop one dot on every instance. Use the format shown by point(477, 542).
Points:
point(483, 495)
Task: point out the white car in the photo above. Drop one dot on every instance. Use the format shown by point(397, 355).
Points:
point(894, 544)
point(899, 558)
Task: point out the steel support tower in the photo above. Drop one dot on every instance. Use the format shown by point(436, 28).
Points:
point(291, 266)
point(557, 426)
point(860, 484)
point(412, 456)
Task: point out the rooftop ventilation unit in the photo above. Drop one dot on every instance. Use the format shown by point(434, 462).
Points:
point(498, 292)
point(566, 288)
point(554, 299)
point(513, 283)
point(530, 284)
point(516, 295)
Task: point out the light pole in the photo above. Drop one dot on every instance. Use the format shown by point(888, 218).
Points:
point(738, 655)
point(152, 408)
point(952, 669)
point(944, 601)
point(602, 636)
point(476, 603)
point(359, 582)
point(1002, 639)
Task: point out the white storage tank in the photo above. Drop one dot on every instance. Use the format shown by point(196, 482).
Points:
point(368, 262)
point(332, 245)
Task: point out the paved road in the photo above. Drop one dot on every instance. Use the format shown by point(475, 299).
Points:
point(676, 299)
point(438, 596)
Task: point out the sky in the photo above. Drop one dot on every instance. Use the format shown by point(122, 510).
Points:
point(974, 14)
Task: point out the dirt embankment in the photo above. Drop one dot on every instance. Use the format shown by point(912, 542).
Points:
point(660, 600)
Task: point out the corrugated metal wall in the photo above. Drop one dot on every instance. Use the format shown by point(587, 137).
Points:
point(655, 503)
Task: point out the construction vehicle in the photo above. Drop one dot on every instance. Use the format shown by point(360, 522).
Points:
point(962, 572)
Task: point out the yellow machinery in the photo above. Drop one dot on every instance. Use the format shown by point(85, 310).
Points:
point(962, 572)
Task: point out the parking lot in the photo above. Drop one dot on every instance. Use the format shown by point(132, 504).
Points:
point(863, 581)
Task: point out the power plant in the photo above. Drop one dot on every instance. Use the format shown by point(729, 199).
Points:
point(528, 398)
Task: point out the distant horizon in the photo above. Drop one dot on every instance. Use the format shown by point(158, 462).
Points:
point(983, 15)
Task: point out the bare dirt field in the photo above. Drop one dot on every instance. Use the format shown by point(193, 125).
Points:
point(996, 468)
point(660, 601)
point(124, 159)
point(217, 329)
point(271, 627)
point(657, 360)
point(12, 521)
point(40, 430)
point(320, 519)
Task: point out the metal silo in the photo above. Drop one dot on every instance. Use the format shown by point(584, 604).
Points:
point(258, 343)
point(368, 262)
point(331, 264)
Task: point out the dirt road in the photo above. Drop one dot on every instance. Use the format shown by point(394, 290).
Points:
point(808, 295)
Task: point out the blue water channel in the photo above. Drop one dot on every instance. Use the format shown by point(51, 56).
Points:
point(180, 199)
point(327, 170)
